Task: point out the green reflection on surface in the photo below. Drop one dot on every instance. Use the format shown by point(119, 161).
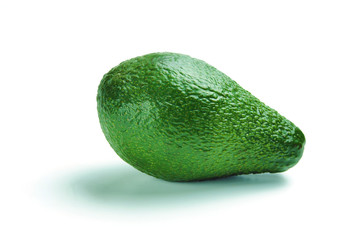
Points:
point(124, 186)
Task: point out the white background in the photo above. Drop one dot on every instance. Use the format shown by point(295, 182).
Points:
point(59, 178)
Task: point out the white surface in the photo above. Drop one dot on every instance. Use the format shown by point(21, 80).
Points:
point(60, 179)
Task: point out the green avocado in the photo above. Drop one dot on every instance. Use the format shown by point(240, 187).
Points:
point(177, 118)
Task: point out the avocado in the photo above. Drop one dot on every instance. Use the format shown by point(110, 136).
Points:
point(178, 118)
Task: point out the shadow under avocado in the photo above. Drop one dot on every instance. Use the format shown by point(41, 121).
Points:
point(124, 186)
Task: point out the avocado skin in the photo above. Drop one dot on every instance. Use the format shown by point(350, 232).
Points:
point(179, 119)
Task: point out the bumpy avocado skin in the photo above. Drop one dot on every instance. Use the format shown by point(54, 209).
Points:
point(179, 119)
